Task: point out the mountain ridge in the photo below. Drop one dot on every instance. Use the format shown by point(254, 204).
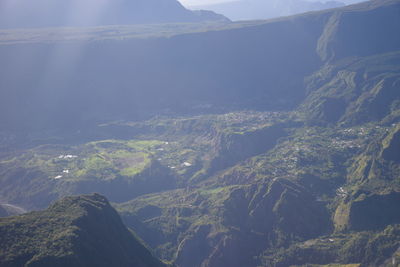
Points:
point(72, 13)
point(78, 231)
point(255, 9)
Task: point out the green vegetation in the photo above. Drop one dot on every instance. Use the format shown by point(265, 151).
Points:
point(354, 248)
point(354, 91)
point(310, 179)
point(101, 159)
point(75, 231)
point(306, 182)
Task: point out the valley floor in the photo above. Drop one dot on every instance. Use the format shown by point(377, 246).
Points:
point(244, 188)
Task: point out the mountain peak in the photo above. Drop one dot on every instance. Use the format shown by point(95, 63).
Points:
point(75, 231)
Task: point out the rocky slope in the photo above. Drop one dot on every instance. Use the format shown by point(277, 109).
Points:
point(75, 231)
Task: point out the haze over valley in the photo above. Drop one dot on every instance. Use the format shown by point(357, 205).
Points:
point(143, 133)
point(263, 9)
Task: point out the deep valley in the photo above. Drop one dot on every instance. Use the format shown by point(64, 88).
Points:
point(268, 143)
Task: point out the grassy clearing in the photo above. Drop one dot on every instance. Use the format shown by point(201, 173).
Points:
point(105, 159)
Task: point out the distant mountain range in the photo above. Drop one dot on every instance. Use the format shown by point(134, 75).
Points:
point(264, 9)
point(55, 13)
point(350, 2)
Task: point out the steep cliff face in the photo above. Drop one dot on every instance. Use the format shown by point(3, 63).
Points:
point(72, 83)
point(354, 91)
point(373, 204)
point(369, 249)
point(361, 30)
point(264, 217)
point(75, 231)
point(232, 147)
point(76, 82)
point(391, 146)
point(230, 225)
point(372, 212)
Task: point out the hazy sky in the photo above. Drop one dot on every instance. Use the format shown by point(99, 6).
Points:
point(209, 2)
point(202, 2)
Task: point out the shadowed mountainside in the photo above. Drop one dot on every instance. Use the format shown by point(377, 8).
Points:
point(309, 178)
point(10, 210)
point(75, 231)
point(260, 66)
